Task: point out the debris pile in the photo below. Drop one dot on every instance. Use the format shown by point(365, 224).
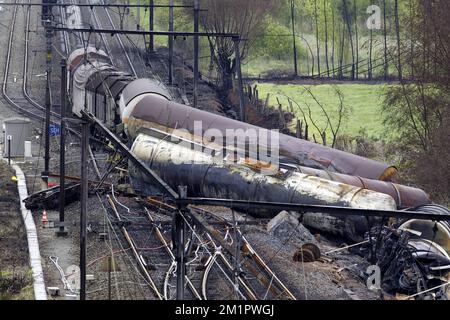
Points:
point(413, 259)
point(286, 226)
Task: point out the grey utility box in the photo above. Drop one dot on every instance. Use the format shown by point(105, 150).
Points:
point(19, 130)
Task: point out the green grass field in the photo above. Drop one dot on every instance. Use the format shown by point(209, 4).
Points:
point(365, 101)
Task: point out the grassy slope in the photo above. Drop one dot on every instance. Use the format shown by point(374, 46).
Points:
point(16, 280)
point(364, 99)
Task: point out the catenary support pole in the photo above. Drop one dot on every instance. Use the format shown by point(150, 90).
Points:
point(138, 22)
point(48, 37)
point(179, 241)
point(196, 51)
point(84, 200)
point(9, 138)
point(171, 38)
point(151, 25)
point(62, 152)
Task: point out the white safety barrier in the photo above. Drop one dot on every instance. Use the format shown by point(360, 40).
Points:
point(33, 244)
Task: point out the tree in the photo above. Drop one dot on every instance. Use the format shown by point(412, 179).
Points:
point(331, 119)
point(333, 123)
point(416, 113)
point(386, 63)
point(326, 36)
point(245, 18)
point(356, 38)
point(316, 19)
point(399, 48)
point(348, 19)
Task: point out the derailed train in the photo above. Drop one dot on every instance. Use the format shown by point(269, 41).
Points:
point(166, 136)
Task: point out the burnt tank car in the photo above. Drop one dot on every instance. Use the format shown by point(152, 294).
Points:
point(132, 105)
point(310, 173)
point(95, 85)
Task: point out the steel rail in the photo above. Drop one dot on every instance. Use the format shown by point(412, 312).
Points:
point(25, 69)
point(65, 34)
point(248, 249)
point(304, 208)
point(119, 40)
point(102, 36)
point(23, 110)
point(212, 259)
point(163, 241)
point(135, 252)
point(7, 69)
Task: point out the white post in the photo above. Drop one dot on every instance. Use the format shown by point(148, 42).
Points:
point(27, 148)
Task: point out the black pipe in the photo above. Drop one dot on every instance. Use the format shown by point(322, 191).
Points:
point(244, 205)
point(9, 150)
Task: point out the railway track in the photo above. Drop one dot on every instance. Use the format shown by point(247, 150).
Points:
point(97, 18)
point(215, 268)
point(64, 35)
point(214, 271)
point(21, 101)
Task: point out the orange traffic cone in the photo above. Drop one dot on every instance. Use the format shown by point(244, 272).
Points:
point(44, 219)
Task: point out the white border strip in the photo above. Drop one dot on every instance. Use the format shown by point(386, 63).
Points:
point(33, 244)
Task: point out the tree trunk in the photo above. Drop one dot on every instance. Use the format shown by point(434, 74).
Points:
point(342, 46)
point(411, 38)
point(370, 72)
point(294, 38)
point(326, 36)
point(334, 41)
point(225, 74)
point(386, 63)
point(399, 48)
point(356, 38)
point(349, 27)
point(317, 37)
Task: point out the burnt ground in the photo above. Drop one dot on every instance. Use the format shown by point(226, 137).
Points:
point(335, 277)
point(15, 273)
